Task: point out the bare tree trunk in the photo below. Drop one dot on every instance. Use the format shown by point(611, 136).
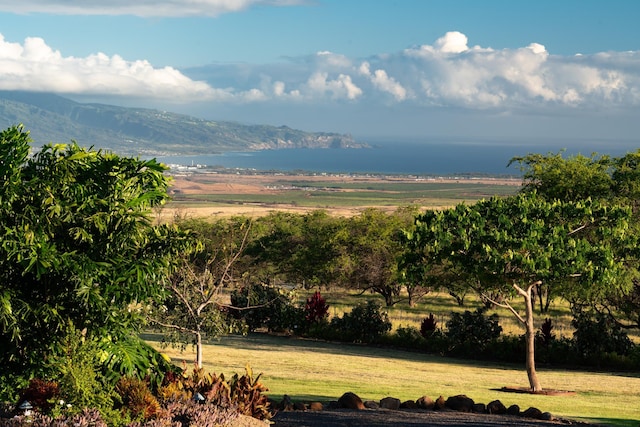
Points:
point(530, 338)
point(199, 350)
point(530, 332)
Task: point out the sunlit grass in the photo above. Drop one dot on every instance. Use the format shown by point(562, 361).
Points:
point(311, 370)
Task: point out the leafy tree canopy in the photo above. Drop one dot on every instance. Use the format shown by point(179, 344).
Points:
point(77, 244)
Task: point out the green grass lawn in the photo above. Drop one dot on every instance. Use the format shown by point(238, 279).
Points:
point(310, 370)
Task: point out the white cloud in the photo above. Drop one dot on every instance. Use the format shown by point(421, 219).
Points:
point(383, 82)
point(36, 66)
point(340, 88)
point(452, 42)
point(147, 8)
point(448, 73)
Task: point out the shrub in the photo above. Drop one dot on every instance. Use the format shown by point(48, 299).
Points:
point(428, 326)
point(136, 397)
point(545, 335)
point(260, 306)
point(316, 309)
point(597, 334)
point(405, 337)
point(469, 333)
point(76, 365)
point(41, 394)
point(365, 323)
point(243, 394)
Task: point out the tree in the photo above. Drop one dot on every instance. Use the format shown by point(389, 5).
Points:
point(77, 246)
point(611, 180)
point(299, 249)
point(572, 178)
point(371, 253)
point(516, 243)
point(195, 307)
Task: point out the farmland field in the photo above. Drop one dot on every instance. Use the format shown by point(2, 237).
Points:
point(207, 194)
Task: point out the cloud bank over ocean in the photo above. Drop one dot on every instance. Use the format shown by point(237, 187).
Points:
point(446, 73)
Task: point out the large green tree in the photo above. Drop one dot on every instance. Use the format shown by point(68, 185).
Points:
point(579, 249)
point(614, 180)
point(77, 246)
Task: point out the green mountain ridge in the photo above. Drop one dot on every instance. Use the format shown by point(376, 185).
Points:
point(144, 132)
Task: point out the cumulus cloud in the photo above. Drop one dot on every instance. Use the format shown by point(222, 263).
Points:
point(383, 82)
point(35, 66)
point(450, 72)
point(147, 8)
point(341, 87)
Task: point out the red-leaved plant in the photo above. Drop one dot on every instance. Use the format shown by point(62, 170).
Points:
point(316, 308)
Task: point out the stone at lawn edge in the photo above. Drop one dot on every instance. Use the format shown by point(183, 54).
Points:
point(299, 406)
point(286, 404)
point(350, 400)
point(479, 408)
point(409, 404)
point(532, 412)
point(497, 407)
point(460, 403)
point(371, 404)
point(513, 410)
point(425, 402)
point(390, 403)
point(439, 404)
point(315, 406)
point(546, 416)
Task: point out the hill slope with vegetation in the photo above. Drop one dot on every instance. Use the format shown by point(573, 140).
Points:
point(139, 131)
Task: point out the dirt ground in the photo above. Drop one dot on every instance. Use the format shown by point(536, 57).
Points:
point(408, 418)
point(225, 183)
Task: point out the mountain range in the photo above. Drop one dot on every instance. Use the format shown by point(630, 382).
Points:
point(148, 132)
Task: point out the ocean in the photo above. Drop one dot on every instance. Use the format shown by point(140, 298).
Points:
point(385, 157)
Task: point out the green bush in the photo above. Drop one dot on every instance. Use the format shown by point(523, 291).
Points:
point(469, 333)
point(366, 323)
point(262, 306)
point(597, 334)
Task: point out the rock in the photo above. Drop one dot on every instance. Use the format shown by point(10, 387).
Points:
point(497, 407)
point(408, 404)
point(479, 408)
point(286, 404)
point(546, 416)
point(370, 404)
point(532, 412)
point(316, 406)
point(425, 402)
point(333, 404)
point(460, 403)
point(513, 410)
point(439, 404)
point(350, 400)
point(299, 406)
point(390, 403)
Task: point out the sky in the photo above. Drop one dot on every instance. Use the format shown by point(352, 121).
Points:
point(504, 70)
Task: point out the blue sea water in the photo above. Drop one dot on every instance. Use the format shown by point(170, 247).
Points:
point(413, 157)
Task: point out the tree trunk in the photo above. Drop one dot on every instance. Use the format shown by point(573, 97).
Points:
point(530, 338)
point(199, 350)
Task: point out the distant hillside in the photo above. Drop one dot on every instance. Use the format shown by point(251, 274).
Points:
point(138, 131)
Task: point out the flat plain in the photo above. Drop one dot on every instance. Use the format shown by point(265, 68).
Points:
point(254, 194)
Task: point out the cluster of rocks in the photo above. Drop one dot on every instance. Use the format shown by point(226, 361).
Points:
point(460, 403)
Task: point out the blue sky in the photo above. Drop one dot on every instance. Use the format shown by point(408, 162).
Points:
point(563, 70)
